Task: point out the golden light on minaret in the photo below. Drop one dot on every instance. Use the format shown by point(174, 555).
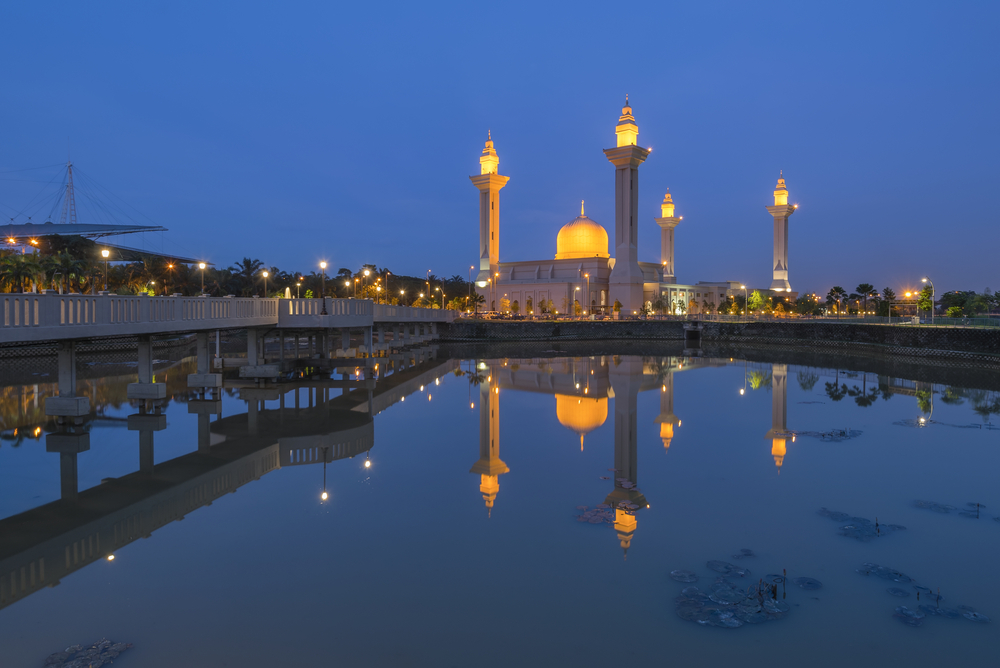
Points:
point(780, 192)
point(625, 524)
point(778, 451)
point(489, 485)
point(667, 207)
point(626, 131)
point(666, 434)
point(489, 161)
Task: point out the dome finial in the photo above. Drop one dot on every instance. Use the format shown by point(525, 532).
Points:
point(581, 207)
point(489, 134)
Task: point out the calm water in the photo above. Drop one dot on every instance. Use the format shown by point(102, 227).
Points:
point(450, 533)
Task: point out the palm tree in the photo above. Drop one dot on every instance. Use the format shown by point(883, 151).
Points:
point(245, 273)
point(66, 266)
point(865, 291)
point(16, 269)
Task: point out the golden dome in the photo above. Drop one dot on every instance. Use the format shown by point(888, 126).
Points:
point(581, 237)
point(581, 414)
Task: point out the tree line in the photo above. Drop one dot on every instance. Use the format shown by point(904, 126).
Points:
point(67, 264)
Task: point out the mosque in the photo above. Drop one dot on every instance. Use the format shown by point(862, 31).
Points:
point(583, 277)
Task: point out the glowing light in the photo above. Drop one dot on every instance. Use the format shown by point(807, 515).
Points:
point(368, 464)
point(322, 265)
point(105, 254)
point(741, 390)
point(38, 431)
point(472, 405)
point(266, 274)
point(437, 381)
point(367, 272)
point(201, 265)
point(111, 557)
point(324, 496)
point(428, 397)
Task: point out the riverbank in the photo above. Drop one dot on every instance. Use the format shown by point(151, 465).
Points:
point(970, 345)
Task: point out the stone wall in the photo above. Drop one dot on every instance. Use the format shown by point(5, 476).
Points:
point(970, 344)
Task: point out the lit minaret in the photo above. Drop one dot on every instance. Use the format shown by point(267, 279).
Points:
point(666, 418)
point(626, 280)
point(667, 224)
point(781, 211)
point(489, 466)
point(779, 403)
point(489, 183)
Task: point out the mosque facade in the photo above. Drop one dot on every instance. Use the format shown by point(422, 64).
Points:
point(583, 278)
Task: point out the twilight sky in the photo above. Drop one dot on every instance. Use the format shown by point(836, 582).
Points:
point(294, 132)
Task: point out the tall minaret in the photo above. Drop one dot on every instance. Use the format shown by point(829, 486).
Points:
point(666, 418)
point(781, 211)
point(489, 183)
point(779, 404)
point(667, 224)
point(490, 467)
point(626, 279)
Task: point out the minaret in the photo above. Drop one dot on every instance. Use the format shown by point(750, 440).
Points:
point(489, 183)
point(781, 211)
point(490, 467)
point(626, 378)
point(779, 404)
point(626, 281)
point(666, 418)
point(667, 223)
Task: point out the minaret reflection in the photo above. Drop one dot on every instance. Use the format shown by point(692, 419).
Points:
point(490, 467)
point(779, 404)
point(626, 375)
point(666, 418)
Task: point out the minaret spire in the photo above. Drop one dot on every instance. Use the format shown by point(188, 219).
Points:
point(780, 212)
point(489, 182)
point(581, 207)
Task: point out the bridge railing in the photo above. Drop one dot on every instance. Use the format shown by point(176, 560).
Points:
point(37, 317)
point(390, 313)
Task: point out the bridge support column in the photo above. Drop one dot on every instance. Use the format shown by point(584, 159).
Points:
point(406, 335)
point(146, 424)
point(204, 432)
point(381, 334)
point(146, 388)
point(345, 339)
point(67, 404)
point(202, 378)
point(434, 329)
point(368, 342)
point(68, 445)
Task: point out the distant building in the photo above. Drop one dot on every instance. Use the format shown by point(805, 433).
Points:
point(583, 277)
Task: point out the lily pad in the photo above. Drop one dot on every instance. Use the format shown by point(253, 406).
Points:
point(896, 591)
point(976, 616)
point(937, 611)
point(809, 584)
point(721, 567)
point(726, 620)
point(683, 576)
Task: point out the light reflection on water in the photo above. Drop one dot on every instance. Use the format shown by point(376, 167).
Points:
point(386, 528)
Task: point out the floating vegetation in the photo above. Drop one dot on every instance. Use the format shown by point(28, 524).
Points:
point(832, 436)
point(809, 584)
point(601, 514)
point(744, 553)
point(859, 528)
point(721, 567)
point(971, 510)
point(727, 605)
point(684, 576)
point(914, 616)
point(92, 656)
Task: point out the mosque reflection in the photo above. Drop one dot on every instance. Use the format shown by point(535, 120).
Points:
point(582, 387)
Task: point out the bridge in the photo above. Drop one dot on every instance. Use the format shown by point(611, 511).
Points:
point(42, 545)
point(67, 319)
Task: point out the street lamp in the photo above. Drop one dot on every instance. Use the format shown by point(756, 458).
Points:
point(106, 254)
point(322, 279)
point(170, 274)
point(265, 285)
point(470, 284)
point(931, 283)
point(201, 265)
point(746, 300)
point(575, 290)
point(298, 291)
point(587, 298)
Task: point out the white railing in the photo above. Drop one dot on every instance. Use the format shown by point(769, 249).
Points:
point(39, 317)
point(390, 313)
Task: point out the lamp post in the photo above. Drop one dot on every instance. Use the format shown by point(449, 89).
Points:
point(931, 283)
point(428, 281)
point(298, 286)
point(576, 290)
point(470, 284)
point(170, 275)
point(746, 300)
point(105, 254)
point(366, 274)
point(587, 298)
point(201, 265)
point(265, 285)
point(322, 282)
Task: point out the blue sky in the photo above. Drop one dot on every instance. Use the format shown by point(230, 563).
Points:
point(295, 132)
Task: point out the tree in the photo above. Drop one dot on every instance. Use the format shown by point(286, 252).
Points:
point(888, 295)
point(245, 274)
point(515, 308)
point(458, 303)
point(835, 296)
point(66, 267)
point(865, 291)
point(807, 379)
point(617, 306)
point(925, 302)
point(660, 304)
point(756, 300)
point(505, 305)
